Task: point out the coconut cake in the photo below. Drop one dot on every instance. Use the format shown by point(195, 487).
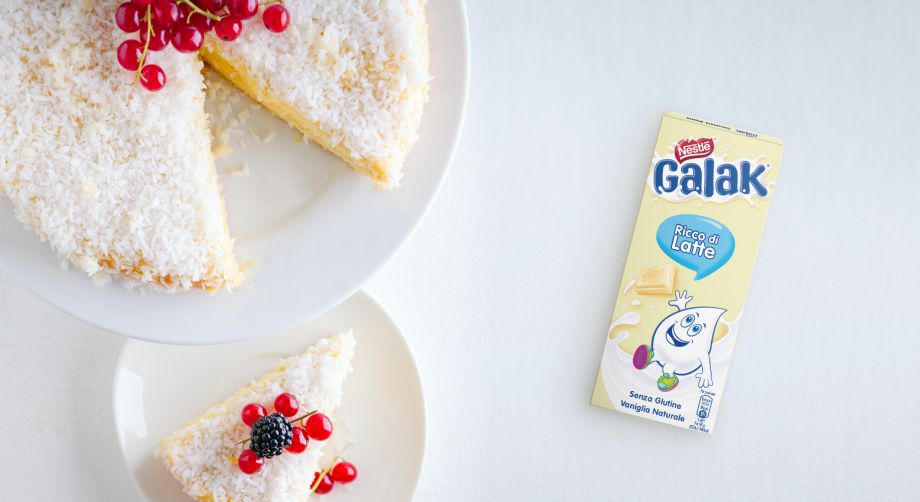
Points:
point(116, 179)
point(202, 456)
point(120, 181)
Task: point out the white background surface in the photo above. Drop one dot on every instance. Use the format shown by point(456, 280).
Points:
point(505, 291)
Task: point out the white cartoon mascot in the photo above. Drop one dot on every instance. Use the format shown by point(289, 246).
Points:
point(681, 344)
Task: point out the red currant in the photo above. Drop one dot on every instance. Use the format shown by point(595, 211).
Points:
point(152, 77)
point(299, 442)
point(276, 18)
point(187, 38)
point(344, 472)
point(252, 412)
point(142, 3)
point(165, 13)
point(159, 40)
point(249, 462)
point(189, 16)
point(211, 5)
point(244, 9)
point(129, 54)
point(203, 23)
point(229, 28)
point(318, 427)
point(324, 486)
point(286, 404)
point(184, 11)
point(128, 17)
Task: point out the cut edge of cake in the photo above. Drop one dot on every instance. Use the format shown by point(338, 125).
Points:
point(385, 171)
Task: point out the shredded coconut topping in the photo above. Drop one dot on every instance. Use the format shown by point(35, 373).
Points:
point(202, 455)
point(114, 177)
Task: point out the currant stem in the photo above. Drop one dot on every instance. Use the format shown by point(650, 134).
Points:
point(338, 458)
point(298, 419)
point(143, 59)
point(199, 10)
point(319, 479)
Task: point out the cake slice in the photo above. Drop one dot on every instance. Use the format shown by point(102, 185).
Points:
point(351, 75)
point(203, 455)
point(117, 179)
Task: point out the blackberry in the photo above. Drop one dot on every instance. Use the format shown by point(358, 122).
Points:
point(271, 435)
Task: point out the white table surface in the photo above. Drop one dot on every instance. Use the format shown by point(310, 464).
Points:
point(505, 291)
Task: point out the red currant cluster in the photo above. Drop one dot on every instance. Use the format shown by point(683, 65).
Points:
point(313, 425)
point(341, 472)
point(184, 23)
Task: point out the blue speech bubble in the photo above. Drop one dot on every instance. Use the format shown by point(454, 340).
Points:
point(699, 243)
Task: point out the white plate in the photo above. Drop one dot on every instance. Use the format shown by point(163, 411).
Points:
point(316, 229)
point(158, 388)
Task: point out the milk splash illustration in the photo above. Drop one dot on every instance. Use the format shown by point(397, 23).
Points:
point(676, 404)
point(681, 344)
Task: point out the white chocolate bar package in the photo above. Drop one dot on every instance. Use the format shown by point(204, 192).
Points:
point(682, 294)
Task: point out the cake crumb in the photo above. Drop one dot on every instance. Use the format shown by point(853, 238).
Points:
point(101, 278)
point(241, 170)
point(221, 149)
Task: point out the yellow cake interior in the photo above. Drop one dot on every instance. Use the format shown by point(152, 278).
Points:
point(239, 77)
